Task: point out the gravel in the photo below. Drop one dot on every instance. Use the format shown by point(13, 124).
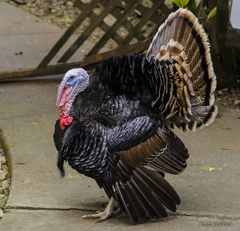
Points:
point(4, 181)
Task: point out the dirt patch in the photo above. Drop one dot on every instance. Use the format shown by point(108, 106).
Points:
point(229, 98)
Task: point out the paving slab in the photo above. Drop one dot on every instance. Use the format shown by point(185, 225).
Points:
point(26, 33)
point(217, 145)
point(42, 220)
point(27, 118)
point(29, 125)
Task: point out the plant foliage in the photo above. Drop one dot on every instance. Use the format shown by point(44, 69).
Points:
point(181, 3)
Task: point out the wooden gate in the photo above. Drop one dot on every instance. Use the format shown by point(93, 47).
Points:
point(132, 16)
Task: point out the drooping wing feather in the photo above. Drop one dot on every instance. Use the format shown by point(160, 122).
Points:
point(141, 142)
point(139, 151)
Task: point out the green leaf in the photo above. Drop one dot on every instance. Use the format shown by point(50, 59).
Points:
point(67, 19)
point(181, 3)
point(212, 13)
point(184, 3)
point(177, 2)
point(5, 185)
point(192, 7)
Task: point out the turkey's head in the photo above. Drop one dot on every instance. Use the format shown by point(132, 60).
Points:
point(75, 80)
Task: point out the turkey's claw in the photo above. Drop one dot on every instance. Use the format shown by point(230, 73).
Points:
point(101, 215)
point(104, 215)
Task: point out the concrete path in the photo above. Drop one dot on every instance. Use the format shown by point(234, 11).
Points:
point(41, 200)
point(25, 39)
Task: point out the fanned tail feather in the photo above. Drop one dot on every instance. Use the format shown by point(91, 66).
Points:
point(182, 41)
point(141, 193)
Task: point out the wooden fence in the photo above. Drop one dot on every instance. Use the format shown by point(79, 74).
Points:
point(135, 40)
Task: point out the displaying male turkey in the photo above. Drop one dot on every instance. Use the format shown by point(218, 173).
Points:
point(114, 126)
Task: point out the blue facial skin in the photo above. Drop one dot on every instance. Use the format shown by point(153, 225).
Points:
point(78, 76)
point(72, 81)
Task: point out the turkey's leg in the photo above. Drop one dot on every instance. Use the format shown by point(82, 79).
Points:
point(103, 215)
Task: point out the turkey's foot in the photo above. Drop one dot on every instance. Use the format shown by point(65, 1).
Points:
point(104, 215)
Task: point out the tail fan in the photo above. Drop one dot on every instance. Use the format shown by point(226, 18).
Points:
point(182, 44)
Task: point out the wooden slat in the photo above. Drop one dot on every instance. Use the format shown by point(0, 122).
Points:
point(160, 21)
point(233, 38)
point(79, 4)
point(68, 33)
point(142, 9)
point(118, 39)
point(128, 25)
point(68, 54)
point(142, 21)
point(237, 52)
point(165, 13)
point(88, 63)
point(113, 29)
point(36, 72)
point(116, 13)
point(127, 50)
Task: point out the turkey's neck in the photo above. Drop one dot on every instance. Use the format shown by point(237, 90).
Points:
point(65, 107)
point(64, 117)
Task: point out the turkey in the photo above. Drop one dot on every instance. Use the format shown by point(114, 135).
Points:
point(115, 124)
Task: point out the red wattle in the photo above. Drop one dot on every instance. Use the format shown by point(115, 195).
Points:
point(65, 121)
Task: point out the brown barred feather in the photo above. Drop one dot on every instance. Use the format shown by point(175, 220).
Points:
point(163, 152)
point(182, 41)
